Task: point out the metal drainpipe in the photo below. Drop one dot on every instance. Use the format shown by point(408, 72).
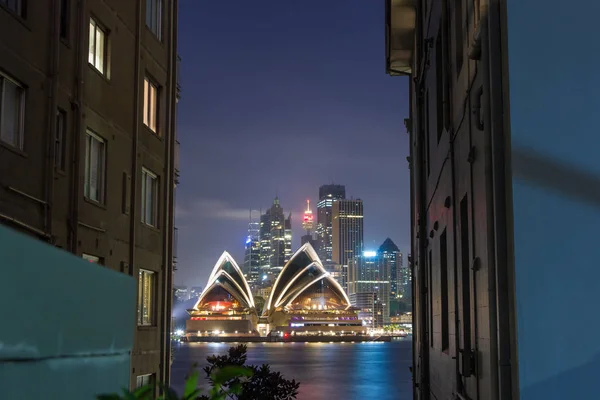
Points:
point(52, 107)
point(169, 190)
point(133, 222)
point(424, 390)
point(78, 125)
point(499, 110)
point(489, 189)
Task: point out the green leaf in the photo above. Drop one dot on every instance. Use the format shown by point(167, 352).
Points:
point(191, 385)
point(230, 372)
point(142, 393)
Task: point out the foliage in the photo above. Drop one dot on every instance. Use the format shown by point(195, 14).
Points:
point(264, 384)
point(259, 303)
point(229, 378)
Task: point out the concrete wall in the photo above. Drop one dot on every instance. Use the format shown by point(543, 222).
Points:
point(67, 325)
point(554, 103)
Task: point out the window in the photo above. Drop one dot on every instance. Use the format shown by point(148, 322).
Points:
point(95, 167)
point(93, 259)
point(64, 19)
point(149, 197)
point(12, 110)
point(59, 139)
point(97, 51)
point(444, 290)
point(15, 6)
point(465, 273)
point(145, 312)
point(458, 34)
point(154, 17)
point(150, 104)
point(145, 380)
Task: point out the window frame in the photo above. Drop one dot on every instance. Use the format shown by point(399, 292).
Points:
point(19, 142)
point(154, 18)
point(149, 319)
point(146, 173)
point(93, 21)
point(87, 168)
point(60, 139)
point(149, 109)
point(20, 9)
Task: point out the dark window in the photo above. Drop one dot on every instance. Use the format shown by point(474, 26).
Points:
point(444, 289)
point(465, 273)
point(64, 19)
point(19, 7)
point(458, 35)
point(154, 17)
point(439, 77)
point(430, 291)
point(59, 139)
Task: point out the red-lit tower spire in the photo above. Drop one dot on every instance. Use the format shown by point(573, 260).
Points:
point(307, 220)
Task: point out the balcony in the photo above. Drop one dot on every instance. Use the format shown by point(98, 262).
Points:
point(64, 329)
point(400, 18)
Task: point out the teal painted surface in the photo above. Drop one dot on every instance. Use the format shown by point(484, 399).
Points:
point(67, 324)
point(554, 59)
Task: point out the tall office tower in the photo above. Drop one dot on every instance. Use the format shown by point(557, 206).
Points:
point(288, 239)
point(328, 194)
point(275, 238)
point(88, 148)
point(390, 254)
point(347, 234)
point(251, 267)
point(369, 272)
point(308, 219)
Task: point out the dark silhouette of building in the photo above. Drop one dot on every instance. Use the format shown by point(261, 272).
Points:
point(88, 152)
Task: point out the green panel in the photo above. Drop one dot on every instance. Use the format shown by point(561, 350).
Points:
point(63, 320)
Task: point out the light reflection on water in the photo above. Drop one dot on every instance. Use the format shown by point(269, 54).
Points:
point(353, 371)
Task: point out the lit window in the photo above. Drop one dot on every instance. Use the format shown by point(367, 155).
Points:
point(15, 6)
point(97, 47)
point(149, 197)
point(146, 283)
point(95, 167)
point(59, 140)
point(154, 17)
point(12, 110)
point(150, 105)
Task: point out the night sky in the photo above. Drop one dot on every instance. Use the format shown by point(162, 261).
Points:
point(280, 97)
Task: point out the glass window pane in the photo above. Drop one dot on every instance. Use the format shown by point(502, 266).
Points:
point(140, 295)
point(93, 169)
point(149, 202)
point(153, 107)
point(146, 105)
point(11, 110)
point(92, 44)
point(99, 50)
point(143, 196)
point(86, 187)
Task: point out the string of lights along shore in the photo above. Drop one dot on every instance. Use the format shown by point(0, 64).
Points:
point(376, 280)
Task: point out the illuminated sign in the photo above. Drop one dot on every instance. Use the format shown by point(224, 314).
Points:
point(369, 253)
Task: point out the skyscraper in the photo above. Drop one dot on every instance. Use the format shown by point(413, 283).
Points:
point(369, 272)
point(347, 233)
point(251, 267)
point(328, 194)
point(88, 148)
point(275, 233)
point(390, 254)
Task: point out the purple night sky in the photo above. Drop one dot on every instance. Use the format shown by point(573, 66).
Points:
point(280, 97)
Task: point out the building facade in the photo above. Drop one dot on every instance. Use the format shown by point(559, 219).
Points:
point(327, 195)
point(390, 254)
point(251, 267)
point(275, 238)
point(87, 144)
point(347, 234)
point(370, 273)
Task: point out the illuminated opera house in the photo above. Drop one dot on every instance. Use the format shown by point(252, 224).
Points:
point(307, 300)
point(304, 300)
point(226, 306)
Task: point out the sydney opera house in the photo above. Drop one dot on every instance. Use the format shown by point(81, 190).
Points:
point(304, 300)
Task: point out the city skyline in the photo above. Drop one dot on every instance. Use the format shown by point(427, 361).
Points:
point(333, 116)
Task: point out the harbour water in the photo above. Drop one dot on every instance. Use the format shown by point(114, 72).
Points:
point(327, 371)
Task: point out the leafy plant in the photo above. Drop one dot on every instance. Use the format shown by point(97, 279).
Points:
point(230, 378)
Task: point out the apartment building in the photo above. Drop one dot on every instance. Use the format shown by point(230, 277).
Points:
point(504, 181)
point(88, 146)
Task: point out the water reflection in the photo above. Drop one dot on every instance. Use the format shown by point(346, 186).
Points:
point(328, 371)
